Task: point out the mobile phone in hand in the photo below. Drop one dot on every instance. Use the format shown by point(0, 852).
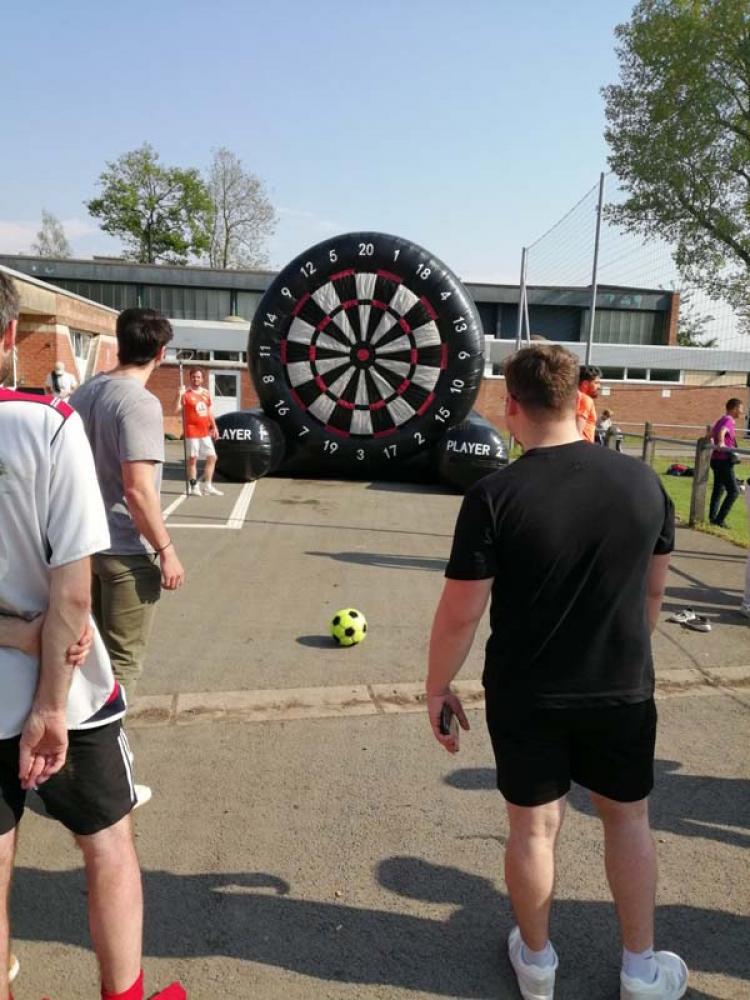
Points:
point(449, 722)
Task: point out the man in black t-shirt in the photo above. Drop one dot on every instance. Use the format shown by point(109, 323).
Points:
point(572, 544)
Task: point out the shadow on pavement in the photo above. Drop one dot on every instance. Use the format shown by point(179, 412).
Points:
point(254, 917)
point(316, 641)
point(385, 561)
point(687, 805)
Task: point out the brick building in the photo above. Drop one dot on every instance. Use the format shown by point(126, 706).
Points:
point(646, 375)
point(58, 325)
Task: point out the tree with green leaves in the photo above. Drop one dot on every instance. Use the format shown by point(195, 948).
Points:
point(678, 127)
point(243, 217)
point(691, 324)
point(162, 214)
point(51, 240)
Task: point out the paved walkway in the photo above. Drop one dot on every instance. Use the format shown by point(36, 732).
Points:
point(308, 840)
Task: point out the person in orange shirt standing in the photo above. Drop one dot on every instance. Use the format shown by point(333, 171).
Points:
point(589, 383)
point(200, 433)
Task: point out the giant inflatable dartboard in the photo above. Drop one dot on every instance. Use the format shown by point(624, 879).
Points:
point(365, 349)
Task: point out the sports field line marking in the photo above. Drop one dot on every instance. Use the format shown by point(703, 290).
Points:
point(237, 517)
point(173, 506)
point(216, 527)
point(234, 522)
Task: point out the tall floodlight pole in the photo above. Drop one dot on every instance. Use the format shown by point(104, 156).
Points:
point(595, 271)
point(521, 298)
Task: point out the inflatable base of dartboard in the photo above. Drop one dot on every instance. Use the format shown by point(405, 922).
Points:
point(466, 453)
point(469, 451)
point(250, 445)
point(365, 350)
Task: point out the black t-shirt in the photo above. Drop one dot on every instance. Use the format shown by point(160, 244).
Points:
point(567, 533)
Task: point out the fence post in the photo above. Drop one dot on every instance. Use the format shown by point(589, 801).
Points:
point(649, 445)
point(703, 448)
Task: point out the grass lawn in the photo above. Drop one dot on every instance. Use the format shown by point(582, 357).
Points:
point(737, 530)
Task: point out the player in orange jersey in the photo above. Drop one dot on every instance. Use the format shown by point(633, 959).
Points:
point(589, 383)
point(200, 433)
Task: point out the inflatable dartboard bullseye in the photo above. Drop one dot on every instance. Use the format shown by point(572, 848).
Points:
point(365, 349)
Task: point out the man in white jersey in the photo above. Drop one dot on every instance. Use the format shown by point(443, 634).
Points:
point(60, 728)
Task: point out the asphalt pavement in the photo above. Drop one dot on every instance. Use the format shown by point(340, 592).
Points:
point(308, 839)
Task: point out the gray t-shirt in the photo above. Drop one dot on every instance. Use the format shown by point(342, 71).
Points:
point(124, 423)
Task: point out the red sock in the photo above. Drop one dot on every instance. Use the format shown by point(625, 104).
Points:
point(134, 992)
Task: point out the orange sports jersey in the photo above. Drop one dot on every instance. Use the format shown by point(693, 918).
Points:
point(197, 405)
point(586, 409)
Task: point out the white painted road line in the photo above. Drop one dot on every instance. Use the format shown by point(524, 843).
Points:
point(237, 517)
point(234, 522)
point(182, 524)
point(173, 506)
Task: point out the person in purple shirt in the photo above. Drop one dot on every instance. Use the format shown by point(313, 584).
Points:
point(723, 460)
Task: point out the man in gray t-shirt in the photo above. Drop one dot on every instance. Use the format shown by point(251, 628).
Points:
point(125, 427)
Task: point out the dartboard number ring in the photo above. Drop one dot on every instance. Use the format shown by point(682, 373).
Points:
point(366, 348)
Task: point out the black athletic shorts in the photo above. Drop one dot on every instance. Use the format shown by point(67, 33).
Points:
point(539, 752)
point(93, 790)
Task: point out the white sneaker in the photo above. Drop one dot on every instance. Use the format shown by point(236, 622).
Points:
point(683, 617)
point(533, 982)
point(209, 490)
point(194, 491)
point(142, 795)
point(670, 983)
point(14, 967)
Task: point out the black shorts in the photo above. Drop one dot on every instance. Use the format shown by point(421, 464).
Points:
point(92, 792)
point(539, 752)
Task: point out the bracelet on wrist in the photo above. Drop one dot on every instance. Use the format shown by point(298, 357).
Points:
point(163, 548)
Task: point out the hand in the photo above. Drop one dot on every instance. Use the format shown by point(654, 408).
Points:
point(182, 391)
point(77, 653)
point(215, 433)
point(435, 704)
point(43, 747)
point(172, 573)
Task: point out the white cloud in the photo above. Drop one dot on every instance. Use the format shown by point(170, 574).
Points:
point(17, 236)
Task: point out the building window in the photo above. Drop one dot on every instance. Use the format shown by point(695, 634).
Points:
point(641, 375)
point(228, 355)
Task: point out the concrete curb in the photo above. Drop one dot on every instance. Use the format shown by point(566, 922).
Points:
point(288, 704)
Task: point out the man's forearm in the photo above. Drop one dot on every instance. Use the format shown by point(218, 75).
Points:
point(20, 632)
point(449, 647)
point(145, 509)
point(653, 609)
point(65, 621)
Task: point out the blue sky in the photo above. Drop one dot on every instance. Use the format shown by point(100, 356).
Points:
point(468, 127)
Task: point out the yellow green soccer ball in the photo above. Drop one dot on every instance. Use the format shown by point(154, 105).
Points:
point(348, 627)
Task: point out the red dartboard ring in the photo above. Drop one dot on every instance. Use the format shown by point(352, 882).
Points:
point(365, 349)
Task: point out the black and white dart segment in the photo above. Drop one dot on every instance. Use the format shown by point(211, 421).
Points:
point(364, 361)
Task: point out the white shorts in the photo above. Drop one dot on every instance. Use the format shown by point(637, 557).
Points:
point(200, 447)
